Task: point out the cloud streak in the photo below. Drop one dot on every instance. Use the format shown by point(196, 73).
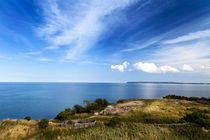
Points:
point(78, 25)
point(188, 56)
point(189, 37)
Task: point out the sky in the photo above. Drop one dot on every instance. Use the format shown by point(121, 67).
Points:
point(104, 40)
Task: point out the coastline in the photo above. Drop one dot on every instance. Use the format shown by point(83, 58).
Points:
point(145, 118)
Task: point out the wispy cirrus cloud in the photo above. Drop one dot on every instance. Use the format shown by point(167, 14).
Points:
point(195, 55)
point(180, 54)
point(188, 56)
point(77, 25)
point(137, 46)
point(190, 36)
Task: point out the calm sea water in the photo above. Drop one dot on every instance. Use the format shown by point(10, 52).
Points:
point(46, 100)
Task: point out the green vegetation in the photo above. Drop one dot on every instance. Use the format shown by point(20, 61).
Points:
point(154, 119)
point(201, 100)
point(197, 117)
point(125, 131)
point(27, 118)
point(115, 121)
point(70, 122)
point(64, 115)
point(43, 123)
point(98, 105)
point(79, 109)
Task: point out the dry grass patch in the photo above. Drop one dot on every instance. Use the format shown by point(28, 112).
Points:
point(16, 129)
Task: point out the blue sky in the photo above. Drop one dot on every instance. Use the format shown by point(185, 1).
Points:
point(104, 41)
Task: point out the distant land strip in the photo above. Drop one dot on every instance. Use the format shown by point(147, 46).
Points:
point(165, 83)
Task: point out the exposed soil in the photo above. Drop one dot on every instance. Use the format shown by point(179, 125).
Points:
point(123, 107)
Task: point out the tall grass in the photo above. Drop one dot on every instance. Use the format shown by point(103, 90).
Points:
point(126, 131)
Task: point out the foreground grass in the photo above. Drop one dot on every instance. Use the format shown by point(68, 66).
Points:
point(125, 131)
point(156, 119)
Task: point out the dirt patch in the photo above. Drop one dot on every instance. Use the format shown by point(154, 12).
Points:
point(122, 107)
point(130, 104)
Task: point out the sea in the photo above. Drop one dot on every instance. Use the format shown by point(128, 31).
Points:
point(46, 100)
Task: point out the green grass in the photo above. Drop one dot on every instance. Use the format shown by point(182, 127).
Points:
point(125, 131)
point(155, 119)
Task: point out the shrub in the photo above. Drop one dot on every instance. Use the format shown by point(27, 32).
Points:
point(101, 102)
point(98, 105)
point(43, 123)
point(194, 116)
point(106, 103)
point(91, 108)
point(115, 121)
point(186, 98)
point(27, 118)
point(64, 115)
point(197, 117)
point(70, 122)
point(79, 109)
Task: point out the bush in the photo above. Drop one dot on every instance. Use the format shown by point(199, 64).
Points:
point(64, 115)
point(115, 121)
point(197, 117)
point(101, 102)
point(43, 123)
point(27, 118)
point(70, 122)
point(79, 109)
point(98, 105)
point(186, 98)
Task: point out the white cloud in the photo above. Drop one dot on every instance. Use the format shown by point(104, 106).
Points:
point(193, 54)
point(187, 68)
point(153, 68)
point(120, 67)
point(77, 25)
point(204, 67)
point(147, 67)
point(168, 69)
point(190, 36)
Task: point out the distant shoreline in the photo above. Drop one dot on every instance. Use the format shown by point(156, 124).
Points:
point(129, 82)
point(166, 83)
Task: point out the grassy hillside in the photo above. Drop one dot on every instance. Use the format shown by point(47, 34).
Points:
point(154, 119)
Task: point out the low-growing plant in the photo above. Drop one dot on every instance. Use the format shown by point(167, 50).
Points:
point(43, 123)
point(79, 109)
point(115, 121)
point(64, 115)
point(70, 122)
point(27, 118)
point(186, 98)
point(198, 118)
point(98, 105)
